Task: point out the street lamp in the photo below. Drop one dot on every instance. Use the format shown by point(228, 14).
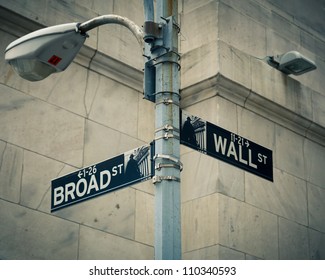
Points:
point(39, 54)
point(291, 62)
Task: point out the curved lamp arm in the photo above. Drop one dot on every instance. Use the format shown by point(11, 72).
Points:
point(105, 19)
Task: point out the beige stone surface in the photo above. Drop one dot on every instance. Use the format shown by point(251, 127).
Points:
point(192, 23)
point(70, 89)
point(316, 245)
point(33, 121)
point(241, 32)
point(146, 115)
point(144, 218)
point(293, 240)
point(316, 207)
point(94, 110)
point(199, 64)
point(204, 175)
point(314, 163)
point(102, 143)
point(95, 244)
point(116, 106)
point(318, 110)
point(256, 128)
point(288, 154)
point(234, 64)
point(11, 168)
point(112, 213)
point(247, 229)
point(200, 223)
point(285, 197)
point(217, 110)
point(35, 235)
point(38, 171)
point(214, 252)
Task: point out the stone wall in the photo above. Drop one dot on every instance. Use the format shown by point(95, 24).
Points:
point(229, 213)
point(92, 111)
point(95, 110)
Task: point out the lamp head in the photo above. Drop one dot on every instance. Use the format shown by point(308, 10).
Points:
point(292, 62)
point(295, 63)
point(49, 50)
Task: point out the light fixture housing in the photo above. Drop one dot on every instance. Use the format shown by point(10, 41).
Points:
point(291, 62)
point(49, 50)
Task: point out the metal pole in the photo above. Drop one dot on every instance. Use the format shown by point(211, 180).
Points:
point(167, 142)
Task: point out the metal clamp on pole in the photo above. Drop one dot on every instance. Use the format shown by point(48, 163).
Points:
point(167, 101)
point(165, 58)
point(176, 161)
point(167, 136)
point(158, 179)
point(158, 166)
point(167, 92)
point(167, 128)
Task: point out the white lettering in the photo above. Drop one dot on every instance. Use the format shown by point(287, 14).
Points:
point(219, 144)
point(92, 184)
point(250, 163)
point(69, 191)
point(84, 188)
point(58, 195)
point(265, 157)
point(117, 169)
point(232, 151)
point(72, 191)
point(101, 182)
point(241, 156)
point(261, 157)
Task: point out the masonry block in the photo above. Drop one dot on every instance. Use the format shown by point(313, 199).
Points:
point(293, 241)
point(245, 228)
point(316, 207)
point(286, 196)
point(33, 121)
point(28, 234)
point(98, 245)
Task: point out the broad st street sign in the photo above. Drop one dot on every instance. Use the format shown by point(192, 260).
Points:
point(227, 146)
point(94, 180)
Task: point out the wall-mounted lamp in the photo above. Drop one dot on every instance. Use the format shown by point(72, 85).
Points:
point(291, 62)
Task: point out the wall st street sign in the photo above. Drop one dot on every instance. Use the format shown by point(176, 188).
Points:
point(225, 145)
point(97, 179)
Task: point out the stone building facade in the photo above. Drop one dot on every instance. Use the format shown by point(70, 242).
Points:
point(95, 110)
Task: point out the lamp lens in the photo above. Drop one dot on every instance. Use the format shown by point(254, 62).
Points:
point(299, 66)
point(32, 69)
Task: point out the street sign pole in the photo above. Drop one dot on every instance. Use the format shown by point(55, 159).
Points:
point(167, 138)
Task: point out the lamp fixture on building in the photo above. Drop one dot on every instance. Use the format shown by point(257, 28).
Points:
point(291, 62)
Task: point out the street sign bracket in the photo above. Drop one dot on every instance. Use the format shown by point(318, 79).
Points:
point(158, 179)
point(167, 128)
point(158, 166)
point(167, 102)
point(176, 162)
point(167, 92)
point(167, 136)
